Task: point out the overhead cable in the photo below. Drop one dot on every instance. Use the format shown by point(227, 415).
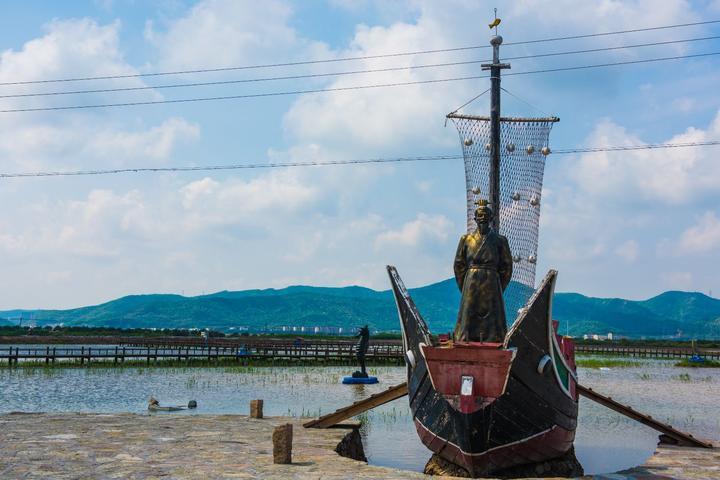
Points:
point(342, 89)
point(253, 166)
point(346, 73)
point(347, 59)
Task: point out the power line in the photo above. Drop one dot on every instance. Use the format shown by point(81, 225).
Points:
point(345, 73)
point(250, 166)
point(625, 148)
point(342, 89)
point(253, 166)
point(619, 32)
point(347, 59)
point(614, 64)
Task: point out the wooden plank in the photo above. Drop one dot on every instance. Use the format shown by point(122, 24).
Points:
point(682, 437)
point(359, 407)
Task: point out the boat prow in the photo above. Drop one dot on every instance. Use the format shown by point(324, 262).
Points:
point(520, 403)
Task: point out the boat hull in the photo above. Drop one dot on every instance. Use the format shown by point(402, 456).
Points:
point(532, 421)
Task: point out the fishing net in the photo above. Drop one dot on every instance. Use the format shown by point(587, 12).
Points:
point(523, 148)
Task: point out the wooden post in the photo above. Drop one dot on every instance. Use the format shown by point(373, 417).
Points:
point(282, 444)
point(256, 409)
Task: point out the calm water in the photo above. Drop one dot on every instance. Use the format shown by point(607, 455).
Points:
point(686, 398)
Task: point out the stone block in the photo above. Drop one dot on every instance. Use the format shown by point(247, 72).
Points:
point(256, 408)
point(282, 444)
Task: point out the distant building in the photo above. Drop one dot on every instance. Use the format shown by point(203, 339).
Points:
point(595, 336)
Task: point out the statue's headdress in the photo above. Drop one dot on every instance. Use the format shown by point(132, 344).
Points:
point(483, 205)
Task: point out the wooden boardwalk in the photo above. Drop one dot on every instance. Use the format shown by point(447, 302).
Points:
point(328, 352)
point(647, 351)
point(250, 348)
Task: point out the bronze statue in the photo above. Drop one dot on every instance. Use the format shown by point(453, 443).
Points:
point(362, 348)
point(483, 268)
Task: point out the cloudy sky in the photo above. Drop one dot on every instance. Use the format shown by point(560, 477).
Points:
point(629, 224)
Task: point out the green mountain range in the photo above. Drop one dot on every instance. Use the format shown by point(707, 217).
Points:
point(671, 314)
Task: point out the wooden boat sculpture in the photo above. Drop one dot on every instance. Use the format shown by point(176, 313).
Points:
point(488, 407)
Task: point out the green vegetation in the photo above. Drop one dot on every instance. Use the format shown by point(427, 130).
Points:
point(683, 377)
point(606, 362)
point(705, 364)
point(671, 314)
point(629, 342)
point(49, 332)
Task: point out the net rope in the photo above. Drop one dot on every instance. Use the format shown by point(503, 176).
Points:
point(522, 165)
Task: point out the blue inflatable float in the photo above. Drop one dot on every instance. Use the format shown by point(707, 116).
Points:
point(356, 380)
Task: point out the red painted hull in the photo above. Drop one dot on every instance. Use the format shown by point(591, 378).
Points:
point(469, 375)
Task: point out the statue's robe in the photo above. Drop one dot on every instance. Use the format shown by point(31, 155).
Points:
point(362, 348)
point(483, 268)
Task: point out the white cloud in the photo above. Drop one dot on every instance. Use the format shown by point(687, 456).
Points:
point(383, 118)
point(80, 139)
point(99, 225)
point(668, 176)
point(69, 48)
point(79, 143)
point(702, 237)
point(107, 236)
point(257, 202)
point(225, 33)
point(677, 280)
point(628, 251)
point(425, 228)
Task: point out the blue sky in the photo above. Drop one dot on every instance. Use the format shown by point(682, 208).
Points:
point(629, 224)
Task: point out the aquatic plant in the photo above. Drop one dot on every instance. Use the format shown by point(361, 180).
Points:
point(686, 362)
point(606, 362)
point(683, 377)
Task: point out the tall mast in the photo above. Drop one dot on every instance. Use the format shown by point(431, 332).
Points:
point(495, 67)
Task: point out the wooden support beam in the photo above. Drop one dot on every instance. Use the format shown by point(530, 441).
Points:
point(398, 391)
point(358, 407)
point(681, 437)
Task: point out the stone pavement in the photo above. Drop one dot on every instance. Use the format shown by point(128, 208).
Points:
point(171, 446)
point(128, 446)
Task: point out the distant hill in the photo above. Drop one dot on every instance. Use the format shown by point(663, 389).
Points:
point(685, 314)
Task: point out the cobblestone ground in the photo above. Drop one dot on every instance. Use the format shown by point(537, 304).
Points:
point(129, 446)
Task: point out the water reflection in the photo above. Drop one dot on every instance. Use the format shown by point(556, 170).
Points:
point(605, 440)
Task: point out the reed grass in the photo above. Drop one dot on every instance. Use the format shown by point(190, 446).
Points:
point(606, 362)
point(705, 364)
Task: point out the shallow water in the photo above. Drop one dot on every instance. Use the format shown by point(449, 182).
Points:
point(606, 441)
